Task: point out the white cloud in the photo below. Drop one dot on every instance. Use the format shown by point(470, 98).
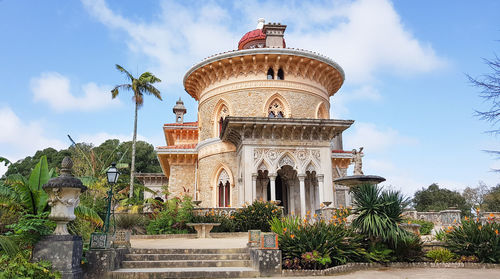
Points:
point(19, 139)
point(55, 89)
point(364, 36)
point(374, 139)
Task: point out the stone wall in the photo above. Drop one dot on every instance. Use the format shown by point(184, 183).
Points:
point(252, 103)
point(442, 218)
point(181, 177)
point(207, 171)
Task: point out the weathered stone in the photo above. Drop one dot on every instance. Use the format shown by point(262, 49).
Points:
point(101, 262)
point(65, 253)
point(267, 262)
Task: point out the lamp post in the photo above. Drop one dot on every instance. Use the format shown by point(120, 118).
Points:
point(112, 177)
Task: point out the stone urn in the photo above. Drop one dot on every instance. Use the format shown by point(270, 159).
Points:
point(64, 195)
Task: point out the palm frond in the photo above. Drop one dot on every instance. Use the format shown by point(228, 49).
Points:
point(121, 69)
point(148, 77)
point(151, 90)
point(117, 88)
point(9, 245)
point(88, 214)
point(8, 193)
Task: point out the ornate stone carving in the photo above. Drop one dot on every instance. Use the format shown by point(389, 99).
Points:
point(262, 167)
point(310, 168)
point(257, 153)
point(286, 160)
point(302, 154)
point(316, 154)
point(223, 177)
point(272, 154)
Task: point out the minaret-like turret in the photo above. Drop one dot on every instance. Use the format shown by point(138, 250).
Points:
point(179, 110)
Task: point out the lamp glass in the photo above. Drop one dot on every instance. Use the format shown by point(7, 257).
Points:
point(112, 174)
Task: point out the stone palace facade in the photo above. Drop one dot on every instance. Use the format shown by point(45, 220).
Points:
point(263, 131)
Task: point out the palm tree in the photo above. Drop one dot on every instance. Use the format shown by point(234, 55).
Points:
point(139, 86)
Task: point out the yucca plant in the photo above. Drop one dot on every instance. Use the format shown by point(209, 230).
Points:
point(379, 213)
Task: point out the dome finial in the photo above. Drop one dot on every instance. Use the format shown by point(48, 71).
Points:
point(260, 23)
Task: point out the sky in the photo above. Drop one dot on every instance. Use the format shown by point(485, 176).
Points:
point(405, 63)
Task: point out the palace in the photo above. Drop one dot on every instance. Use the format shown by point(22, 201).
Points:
point(263, 131)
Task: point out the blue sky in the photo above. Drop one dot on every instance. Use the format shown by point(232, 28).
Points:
point(405, 65)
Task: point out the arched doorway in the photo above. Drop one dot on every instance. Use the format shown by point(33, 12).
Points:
point(286, 185)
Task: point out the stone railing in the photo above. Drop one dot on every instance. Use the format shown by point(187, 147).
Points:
point(489, 217)
point(442, 218)
point(216, 211)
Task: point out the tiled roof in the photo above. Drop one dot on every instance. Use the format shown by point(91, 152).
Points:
point(182, 124)
point(179, 146)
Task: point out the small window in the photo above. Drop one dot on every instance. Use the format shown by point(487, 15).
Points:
point(275, 110)
point(270, 73)
point(221, 120)
point(281, 74)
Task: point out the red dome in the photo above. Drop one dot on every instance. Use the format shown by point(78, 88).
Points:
point(251, 36)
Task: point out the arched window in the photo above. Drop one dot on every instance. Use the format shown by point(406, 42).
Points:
point(276, 110)
point(322, 112)
point(270, 73)
point(220, 116)
point(281, 74)
point(223, 189)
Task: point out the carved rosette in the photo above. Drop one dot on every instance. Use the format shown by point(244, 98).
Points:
point(64, 195)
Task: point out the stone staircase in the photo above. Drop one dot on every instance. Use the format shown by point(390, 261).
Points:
point(186, 263)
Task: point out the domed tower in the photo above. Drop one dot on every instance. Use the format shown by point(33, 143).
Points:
point(264, 129)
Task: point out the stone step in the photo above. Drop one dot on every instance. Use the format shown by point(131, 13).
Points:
point(193, 257)
point(184, 272)
point(188, 251)
point(186, 263)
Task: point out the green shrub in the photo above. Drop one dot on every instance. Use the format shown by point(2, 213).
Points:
point(256, 216)
point(30, 228)
point(19, 266)
point(409, 249)
point(131, 221)
point(472, 238)
point(316, 245)
point(173, 218)
point(441, 235)
point(441, 255)
point(227, 223)
point(425, 226)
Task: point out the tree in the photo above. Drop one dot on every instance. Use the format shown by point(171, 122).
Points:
point(475, 196)
point(139, 87)
point(492, 199)
point(435, 199)
point(489, 85)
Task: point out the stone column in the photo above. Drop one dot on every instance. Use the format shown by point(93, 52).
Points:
point(321, 179)
point(302, 195)
point(291, 197)
point(272, 178)
point(254, 186)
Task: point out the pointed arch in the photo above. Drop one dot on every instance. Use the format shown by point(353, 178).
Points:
point(270, 73)
point(263, 165)
point(311, 167)
point(223, 181)
point(287, 159)
point(322, 111)
point(276, 104)
point(220, 112)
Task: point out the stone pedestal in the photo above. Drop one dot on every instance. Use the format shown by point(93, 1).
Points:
point(268, 262)
point(102, 262)
point(65, 253)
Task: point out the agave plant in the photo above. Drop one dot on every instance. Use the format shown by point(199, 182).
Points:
point(379, 213)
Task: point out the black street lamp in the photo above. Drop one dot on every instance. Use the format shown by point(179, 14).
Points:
point(112, 176)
